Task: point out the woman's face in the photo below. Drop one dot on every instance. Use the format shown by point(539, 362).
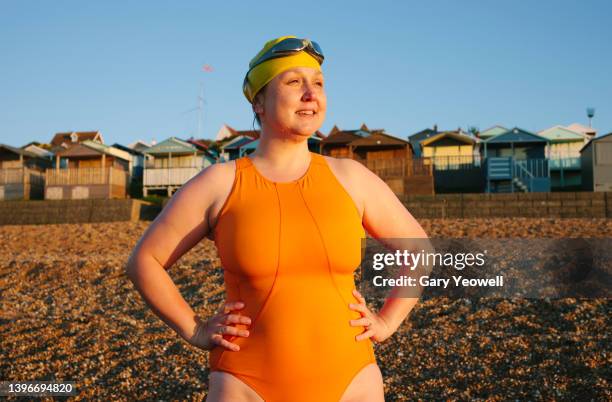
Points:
point(294, 102)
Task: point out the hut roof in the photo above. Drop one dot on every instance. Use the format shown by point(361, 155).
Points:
point(379, 138)
point(449, 134)
point(608, 138)
point(562, 134)
point(171, 145)
point(416, 138)
point(19, 151)
point(337, 136)
point(237, 142)
point(139, 145)
point(108, 150)
point(40, 151)
point(492, 131)
point(81, 136)
point(227, 132)
point(127, 149)
point(583, 129)
point(93, 148)
point(515, 135)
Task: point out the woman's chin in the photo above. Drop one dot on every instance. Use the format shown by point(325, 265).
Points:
point(306, 130)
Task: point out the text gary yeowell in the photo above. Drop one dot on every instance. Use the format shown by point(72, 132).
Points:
point(409, 260)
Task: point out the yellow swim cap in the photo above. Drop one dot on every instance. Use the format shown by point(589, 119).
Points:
point(261, 74)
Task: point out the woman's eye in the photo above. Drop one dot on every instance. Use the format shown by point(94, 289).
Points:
point(319, 83)
point(293, 81)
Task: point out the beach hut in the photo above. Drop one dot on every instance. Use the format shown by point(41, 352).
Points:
point(516, 161)
point(337, 142)
point(416, 138)
point(392, 159)
point(21, 173)
point(564, 157)
point(456, 162)
point(450, 150)
point(230, 150)
point(88, 169)
point(315, 141)
point(596, 164)
point(135, 173)
point(384, 154)
point(170, 164)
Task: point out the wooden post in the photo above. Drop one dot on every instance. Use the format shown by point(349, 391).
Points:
point(57, 162)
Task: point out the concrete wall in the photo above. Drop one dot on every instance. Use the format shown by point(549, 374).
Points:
point(544, 205)
point(74, 211)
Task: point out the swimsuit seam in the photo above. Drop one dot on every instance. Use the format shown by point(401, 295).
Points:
point(331, 275)
point(265, 302)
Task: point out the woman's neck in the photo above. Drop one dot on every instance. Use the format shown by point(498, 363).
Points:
point(282, 153)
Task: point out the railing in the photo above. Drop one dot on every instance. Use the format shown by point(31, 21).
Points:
point(84, 176)
point(536, 167)
point(454, 162)
point(21, 175)
point(565, 163)
point(398, 167)
point(174, 163)
point(168, 176)
point(11, 175)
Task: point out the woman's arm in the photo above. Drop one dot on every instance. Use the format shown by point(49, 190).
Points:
point(180, 226)
point(385, 217)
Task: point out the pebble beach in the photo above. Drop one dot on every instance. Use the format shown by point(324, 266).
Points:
point(68, 312)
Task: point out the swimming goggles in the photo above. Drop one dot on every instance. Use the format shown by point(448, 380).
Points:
point(282, 49)
point(289, 46)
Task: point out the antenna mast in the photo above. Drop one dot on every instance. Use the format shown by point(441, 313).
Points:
point(200, 107)
point(590, 113)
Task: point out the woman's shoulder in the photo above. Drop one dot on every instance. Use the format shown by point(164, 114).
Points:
point(219, 172)
point(347, 168)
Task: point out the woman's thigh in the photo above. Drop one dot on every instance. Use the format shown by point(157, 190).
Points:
point(224, 387)
point(367, 385)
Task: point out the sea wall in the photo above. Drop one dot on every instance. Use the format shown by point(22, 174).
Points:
point(542, 205)
point(22, 212)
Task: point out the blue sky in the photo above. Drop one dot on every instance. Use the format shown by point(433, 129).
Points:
point(133, 69)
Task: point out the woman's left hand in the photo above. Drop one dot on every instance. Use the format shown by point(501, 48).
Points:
point(375, 326)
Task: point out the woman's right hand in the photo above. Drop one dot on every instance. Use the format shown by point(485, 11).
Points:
point(209, 334)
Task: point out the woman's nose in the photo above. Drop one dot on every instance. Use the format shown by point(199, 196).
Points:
point(310, 92)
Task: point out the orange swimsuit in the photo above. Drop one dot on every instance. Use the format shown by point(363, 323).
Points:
point(289, 251)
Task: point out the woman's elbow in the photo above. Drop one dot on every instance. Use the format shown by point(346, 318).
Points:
point(132, 266)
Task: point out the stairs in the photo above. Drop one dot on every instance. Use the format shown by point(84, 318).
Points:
point(499, 168)
point(520, 185)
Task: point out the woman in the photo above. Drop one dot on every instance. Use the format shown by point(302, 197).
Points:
point(288, 226)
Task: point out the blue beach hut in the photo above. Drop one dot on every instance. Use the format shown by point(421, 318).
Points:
point(516, 161)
